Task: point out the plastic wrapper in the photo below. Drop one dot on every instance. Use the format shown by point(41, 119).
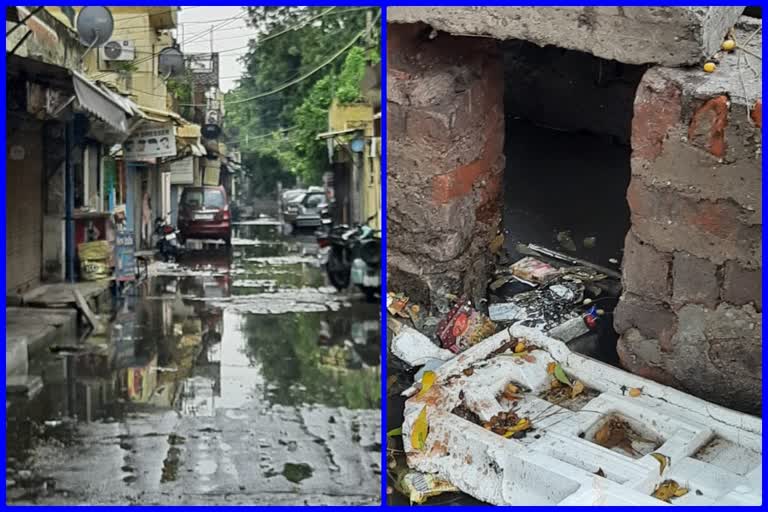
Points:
point(421, 486)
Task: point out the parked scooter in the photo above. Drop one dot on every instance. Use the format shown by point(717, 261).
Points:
point(167, 243)
point(352, 255)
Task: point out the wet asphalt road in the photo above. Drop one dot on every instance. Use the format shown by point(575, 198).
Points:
point(231, 378)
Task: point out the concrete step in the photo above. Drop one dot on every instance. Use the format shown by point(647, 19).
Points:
point(28, 330)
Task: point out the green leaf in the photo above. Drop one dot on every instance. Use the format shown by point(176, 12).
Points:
point(395, 432)
point(561, 376)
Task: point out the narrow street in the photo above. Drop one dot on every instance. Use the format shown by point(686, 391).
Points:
point(231, 378)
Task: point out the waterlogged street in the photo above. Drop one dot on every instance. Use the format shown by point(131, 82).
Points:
point(231, 378)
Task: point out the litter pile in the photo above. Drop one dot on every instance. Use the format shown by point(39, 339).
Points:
point(564, 297)
point(519, 418)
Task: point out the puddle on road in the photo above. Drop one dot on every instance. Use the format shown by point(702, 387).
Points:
point(185, 350)
point(297, 472)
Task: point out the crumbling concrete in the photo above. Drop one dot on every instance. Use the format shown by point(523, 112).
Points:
point(670, 36)
point(446, 132)
point(694, 253)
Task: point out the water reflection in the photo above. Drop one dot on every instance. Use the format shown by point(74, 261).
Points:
point(174, 344)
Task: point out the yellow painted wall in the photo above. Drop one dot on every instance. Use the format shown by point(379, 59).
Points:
point(141, 25)
point(360, 115)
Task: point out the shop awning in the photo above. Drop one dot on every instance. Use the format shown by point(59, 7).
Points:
point(330, 135)
point(189, 131)
point(102, 103)
point(161, 116)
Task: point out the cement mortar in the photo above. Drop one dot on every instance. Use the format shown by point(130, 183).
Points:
point(670, 36)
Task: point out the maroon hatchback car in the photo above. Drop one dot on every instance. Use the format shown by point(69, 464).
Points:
point(204, 214)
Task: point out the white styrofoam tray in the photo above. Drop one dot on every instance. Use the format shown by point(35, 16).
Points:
point(714, 452)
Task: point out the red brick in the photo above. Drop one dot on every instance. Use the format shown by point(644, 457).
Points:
point(426, 126)
point(742, 285)
point(757, 114)
point(645, 270)
point(707, 128)
point(652, 319)
point(461, 180)
point(694, 280)
point(666, 206)
point(657, 109)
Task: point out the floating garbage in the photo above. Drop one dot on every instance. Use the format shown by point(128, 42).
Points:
point(463, 327)
point(533, 270)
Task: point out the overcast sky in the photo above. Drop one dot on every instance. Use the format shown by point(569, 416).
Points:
point(194, 36)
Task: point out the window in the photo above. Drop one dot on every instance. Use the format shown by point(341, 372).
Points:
point(314, 200)
point(193, 198)
point(214, 199)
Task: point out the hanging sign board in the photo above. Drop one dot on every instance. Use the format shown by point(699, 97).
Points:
point(155, 142)
point(182, 171)
point(125, 259)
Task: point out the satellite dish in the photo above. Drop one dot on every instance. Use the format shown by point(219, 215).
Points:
point(170, 62)
point(94, 26)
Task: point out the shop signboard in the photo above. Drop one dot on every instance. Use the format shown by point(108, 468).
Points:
point(156, 142)
point(125, 259)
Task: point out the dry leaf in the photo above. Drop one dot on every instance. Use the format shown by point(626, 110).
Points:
point(511, 388)
point(420, 430)
point(577, 389)
point(497, 243)
point(468, 372)
point(426, 382)
point(663, 461)
point(554, 384)
point(521, 425)
point(560, 375)
point(397, 305)
point(669, 489)
point(391, 381)
point(519, 347)
point(529, 358)
point(551, 368)
point(498, 283)
point(415, 309)
point(635, 392)
point(613, 434)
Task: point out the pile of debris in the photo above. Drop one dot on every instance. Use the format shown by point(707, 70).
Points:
point(519, 418)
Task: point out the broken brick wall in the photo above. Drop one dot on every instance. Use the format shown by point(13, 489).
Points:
point(690, 314)
point(445, 122)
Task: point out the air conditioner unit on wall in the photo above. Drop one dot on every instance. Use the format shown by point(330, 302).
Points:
point(123, 50)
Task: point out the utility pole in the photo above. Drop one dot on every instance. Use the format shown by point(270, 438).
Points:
point(368, 28)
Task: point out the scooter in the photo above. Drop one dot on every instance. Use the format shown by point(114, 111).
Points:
point(353, 257)
point(167, 243)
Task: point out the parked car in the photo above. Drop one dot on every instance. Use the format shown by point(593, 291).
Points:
point(304, 211)
point(290, 195)
point(204, 214)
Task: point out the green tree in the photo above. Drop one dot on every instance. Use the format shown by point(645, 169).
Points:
point(278, 55)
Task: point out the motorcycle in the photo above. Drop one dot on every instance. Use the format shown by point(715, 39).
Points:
point(167, 243)
point(352, 255)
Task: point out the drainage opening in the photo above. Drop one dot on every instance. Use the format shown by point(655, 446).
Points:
point(567, 145)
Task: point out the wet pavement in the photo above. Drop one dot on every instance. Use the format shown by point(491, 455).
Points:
point(232, 378)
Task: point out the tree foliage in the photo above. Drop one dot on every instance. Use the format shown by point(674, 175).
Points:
point(277, 133)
